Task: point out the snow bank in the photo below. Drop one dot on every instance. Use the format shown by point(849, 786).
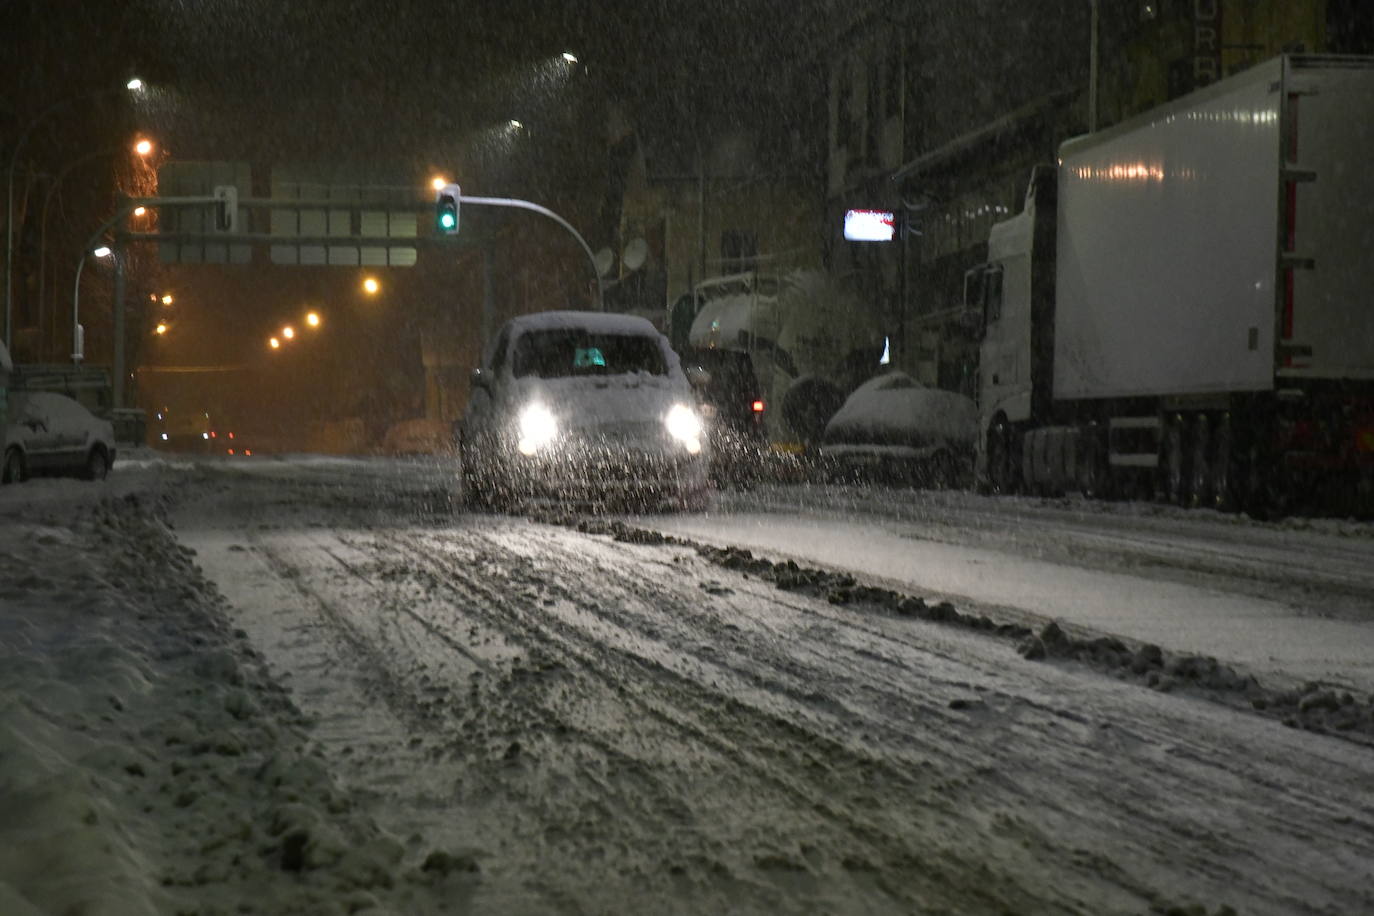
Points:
point(148, 762)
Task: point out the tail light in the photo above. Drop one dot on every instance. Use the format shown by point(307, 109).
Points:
point(757, 407)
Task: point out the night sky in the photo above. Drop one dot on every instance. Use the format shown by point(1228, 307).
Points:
point(401, 89)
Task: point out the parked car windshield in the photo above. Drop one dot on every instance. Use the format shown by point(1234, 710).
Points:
point(564, 353)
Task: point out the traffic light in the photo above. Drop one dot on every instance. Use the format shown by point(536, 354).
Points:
point(226, 208)
point(446, 209)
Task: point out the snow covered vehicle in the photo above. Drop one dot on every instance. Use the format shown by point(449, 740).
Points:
point(807, 339)
point(582, 406)
point(50, 433)
point(894, 429)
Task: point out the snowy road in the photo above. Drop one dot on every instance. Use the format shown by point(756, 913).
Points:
point(601, 725)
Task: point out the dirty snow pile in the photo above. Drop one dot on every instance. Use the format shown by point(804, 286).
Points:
point(148, 763)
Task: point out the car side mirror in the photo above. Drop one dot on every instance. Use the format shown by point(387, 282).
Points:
point(698, 377)
point(481, 378)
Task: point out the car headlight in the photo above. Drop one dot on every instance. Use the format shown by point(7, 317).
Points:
point(685, 426)
point(537, 429)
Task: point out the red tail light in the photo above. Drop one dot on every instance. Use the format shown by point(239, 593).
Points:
point(758, 407)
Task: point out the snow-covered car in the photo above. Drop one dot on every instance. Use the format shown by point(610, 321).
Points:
point(583, 406)
point(893, 428)
point(50, 433)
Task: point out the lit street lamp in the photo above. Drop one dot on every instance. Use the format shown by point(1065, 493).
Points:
point(288, 332)
point(133, 85)
point(371, 286)
point(312, 319)
point(167, 299)
point(274, 343)
point(79, 333)
point(143, 147)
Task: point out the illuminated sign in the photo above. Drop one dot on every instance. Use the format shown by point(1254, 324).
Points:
point(870, 225)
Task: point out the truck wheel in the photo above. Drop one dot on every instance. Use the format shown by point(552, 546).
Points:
point(1223, 495)
point(1093, 472)
point(1199, 465)
point(1172, 475)
point(13, 469)
point(1000, 471)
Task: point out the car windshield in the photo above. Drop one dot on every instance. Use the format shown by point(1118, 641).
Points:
point(565, 353)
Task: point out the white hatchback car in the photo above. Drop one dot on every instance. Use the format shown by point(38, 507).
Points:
point(582, 406)
point(50, 433)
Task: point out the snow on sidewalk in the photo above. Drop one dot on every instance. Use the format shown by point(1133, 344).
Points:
point(1268, 637)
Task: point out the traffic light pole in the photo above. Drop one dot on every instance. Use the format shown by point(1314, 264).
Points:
point(127, 205)
point(545, 211)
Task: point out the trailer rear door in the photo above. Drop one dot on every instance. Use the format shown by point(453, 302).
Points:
point(1327, 324)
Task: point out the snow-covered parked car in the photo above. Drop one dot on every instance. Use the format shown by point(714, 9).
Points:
point(893, 428)
point(582, 406)
point(49, 433)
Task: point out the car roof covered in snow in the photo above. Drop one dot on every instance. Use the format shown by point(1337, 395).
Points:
point(596, 322)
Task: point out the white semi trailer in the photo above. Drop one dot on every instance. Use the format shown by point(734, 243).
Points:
point(1185, 306)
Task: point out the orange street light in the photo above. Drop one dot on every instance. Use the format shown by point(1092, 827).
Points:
point(288, 332)
point(438, 182)
point(312, 319)
point(167, 299)
point(143, 147)
point(274, 343)
point(161, 328)
point(371, 286)
point(139, 211)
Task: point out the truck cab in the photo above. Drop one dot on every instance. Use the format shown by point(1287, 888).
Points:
point(1010, 293)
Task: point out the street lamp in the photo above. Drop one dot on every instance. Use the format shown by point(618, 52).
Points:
point(371, 286)
point(167, 299)
point(288, 332)
point(78, 332)
point(274, 343)
point(133, 85)
point(144, 147)
point(438, 182)
point(312, 319)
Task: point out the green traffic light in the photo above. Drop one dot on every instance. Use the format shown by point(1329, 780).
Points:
point(447, 220)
